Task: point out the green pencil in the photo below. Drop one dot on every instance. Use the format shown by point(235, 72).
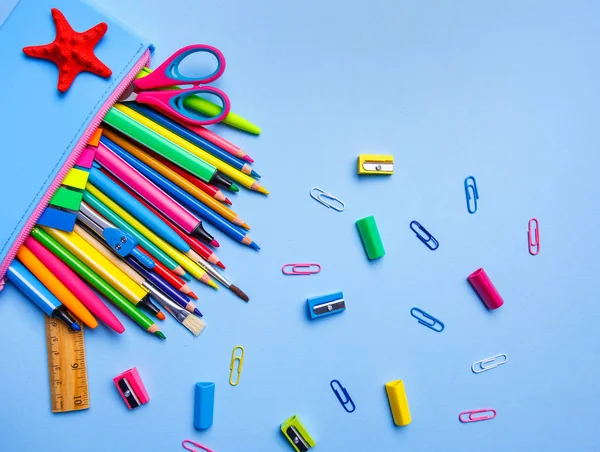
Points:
point(93, 279)
point(209, 109)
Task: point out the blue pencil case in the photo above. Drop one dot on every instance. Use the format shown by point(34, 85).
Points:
point(45, 132)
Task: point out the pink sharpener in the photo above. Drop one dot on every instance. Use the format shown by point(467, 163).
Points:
point(131, 388)
point(486, 290)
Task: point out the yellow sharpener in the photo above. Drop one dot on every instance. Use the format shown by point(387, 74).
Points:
point(398, 402)
point(375, 164)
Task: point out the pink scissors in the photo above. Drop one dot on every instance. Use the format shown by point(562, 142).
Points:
point(172, 101)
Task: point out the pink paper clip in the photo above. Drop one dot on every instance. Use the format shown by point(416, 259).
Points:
point(533, 233)
point(473, 418)
point(296, 269)
point(200, 447)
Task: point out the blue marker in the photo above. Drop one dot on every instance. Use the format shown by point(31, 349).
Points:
point(193, 138)
point(180, 195)
point(24, 280)
point(136, 208)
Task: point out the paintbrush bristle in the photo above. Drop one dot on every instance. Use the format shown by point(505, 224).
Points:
point(194, 324)
point(236, 290)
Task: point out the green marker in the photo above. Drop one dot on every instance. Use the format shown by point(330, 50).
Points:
point(98, 283)
point(159, 144)
point(211, 109)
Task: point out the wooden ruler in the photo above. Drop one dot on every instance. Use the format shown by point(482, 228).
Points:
point(66, 367)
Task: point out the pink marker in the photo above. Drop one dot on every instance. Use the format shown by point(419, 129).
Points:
point(154, 195)
point(70, 279)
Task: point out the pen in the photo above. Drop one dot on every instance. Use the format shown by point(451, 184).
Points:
point(28, 284)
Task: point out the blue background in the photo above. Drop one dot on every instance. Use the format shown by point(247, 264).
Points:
point(505, 91)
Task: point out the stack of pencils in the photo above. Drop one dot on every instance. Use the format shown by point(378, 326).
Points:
point(156, 194)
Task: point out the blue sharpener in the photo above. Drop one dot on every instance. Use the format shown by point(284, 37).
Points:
point(326, 304)
point(204, 401)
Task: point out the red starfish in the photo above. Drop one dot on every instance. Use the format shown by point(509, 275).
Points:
point(71, 51)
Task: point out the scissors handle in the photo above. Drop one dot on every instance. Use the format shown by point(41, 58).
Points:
point(173, 102)
point(168, 74)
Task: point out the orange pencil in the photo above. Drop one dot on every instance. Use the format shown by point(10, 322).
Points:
point(53, 284)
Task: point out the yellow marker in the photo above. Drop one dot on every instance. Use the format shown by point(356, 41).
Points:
point(181, 181)
point(99, 264)
point(226, 169)
point(53, 284)
point(375, 164)
point(174, 254)
point(76, 178)
point(398, 402)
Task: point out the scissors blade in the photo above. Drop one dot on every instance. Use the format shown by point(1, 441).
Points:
point(129, 95)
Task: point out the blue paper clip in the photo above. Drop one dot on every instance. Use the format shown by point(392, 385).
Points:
point(468, 189)
point(429, 324)
point(424, 235)
point(348, 400)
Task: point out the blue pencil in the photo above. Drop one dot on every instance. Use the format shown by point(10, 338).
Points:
point(182, 196)
point(163, 286)
point(193, 138)
point(137, 209)
point(24, 280)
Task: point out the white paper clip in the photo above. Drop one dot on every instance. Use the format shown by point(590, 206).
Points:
point(481, 366)
point(323, 197)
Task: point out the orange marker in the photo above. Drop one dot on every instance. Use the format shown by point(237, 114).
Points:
point(53, 284)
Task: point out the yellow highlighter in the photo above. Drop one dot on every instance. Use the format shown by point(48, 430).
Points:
point(195, 270)
point(225, 168)
point(86, 253)
point(53, 284)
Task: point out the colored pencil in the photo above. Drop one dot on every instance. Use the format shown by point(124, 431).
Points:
point(96, 281)
point(196, 244)
point(137, 132)
point(91, 203)
point(132, 178)
point(176, 140)
point(180, 195)
point(24, 280)
point(176, 255)
point(145, 278)
point(148, 166)
point(75, 285)
point(193, 138)
point(170, 277)
point(54, 285)
point(208, 108)
point(207, 188)
point(215, 139)
point(133, 292)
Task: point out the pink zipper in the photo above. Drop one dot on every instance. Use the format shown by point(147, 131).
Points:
point(81, 145)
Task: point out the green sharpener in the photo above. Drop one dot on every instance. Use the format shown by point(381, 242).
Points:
point(367, 228)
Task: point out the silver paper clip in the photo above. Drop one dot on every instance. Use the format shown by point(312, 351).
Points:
point(481, 366)
point(327, 199)
point(345, 400)
point(429, 322)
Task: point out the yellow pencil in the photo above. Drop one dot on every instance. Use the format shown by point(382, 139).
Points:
point(177, 179)
point(226, 169)
point(183, 260)
point(53, 284)
point(104, 268)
